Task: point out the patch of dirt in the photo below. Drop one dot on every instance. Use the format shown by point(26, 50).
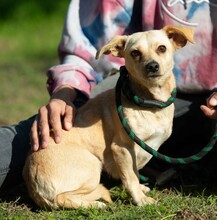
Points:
point(188, 215)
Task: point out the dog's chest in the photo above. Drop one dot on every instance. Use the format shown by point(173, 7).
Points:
point(151, 127)
point(148, 124)
point(154, 141)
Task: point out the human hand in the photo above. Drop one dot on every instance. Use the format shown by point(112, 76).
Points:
point(210, 110)
point(58, 114)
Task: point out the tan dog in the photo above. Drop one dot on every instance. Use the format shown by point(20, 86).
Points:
point(68, 174)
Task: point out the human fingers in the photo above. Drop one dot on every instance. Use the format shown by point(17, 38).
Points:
point(43, 127)
point(39, 133)
point(209, 112)
point(56, 110)
point(70, 111)
point(34, 136)
point(212, 100)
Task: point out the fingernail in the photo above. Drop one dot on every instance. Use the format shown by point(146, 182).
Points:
point(68, 125)
point(57, 139)
point(34, 147)
point(213, 101)
point(44, 144)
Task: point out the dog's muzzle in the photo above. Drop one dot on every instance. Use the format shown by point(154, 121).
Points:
point(152, 68)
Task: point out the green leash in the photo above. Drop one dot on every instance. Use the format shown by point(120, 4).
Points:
point(121, 85)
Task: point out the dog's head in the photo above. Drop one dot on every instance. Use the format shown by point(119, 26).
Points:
point(149, 55)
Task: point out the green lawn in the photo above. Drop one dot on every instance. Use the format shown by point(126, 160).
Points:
point(171, 204)
point(29, 34)
point(28, 45)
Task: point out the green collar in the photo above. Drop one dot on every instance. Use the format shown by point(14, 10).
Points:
point(123, 84)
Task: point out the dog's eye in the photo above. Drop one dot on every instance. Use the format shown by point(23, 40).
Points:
point(135, 53)
point(161, 49)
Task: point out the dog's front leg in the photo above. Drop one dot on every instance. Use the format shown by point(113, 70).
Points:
point(125, 160)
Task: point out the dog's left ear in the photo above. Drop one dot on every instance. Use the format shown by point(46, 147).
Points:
point(115, 46)
point(179, 35)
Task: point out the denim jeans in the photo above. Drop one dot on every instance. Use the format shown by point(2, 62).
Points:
point(14, 146)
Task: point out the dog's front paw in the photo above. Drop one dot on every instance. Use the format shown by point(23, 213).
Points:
point(145, 200)
point(144, 188)
point(98, 204)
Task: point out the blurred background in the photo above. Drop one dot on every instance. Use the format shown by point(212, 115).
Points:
point(29, 35)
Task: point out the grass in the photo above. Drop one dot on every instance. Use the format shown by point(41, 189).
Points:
point(172, 204)
point(28, 45)
point(28, 42)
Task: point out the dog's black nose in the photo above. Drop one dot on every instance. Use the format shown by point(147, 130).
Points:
point(152, 67)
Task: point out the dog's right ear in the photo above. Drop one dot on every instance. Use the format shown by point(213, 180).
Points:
point(115, 46)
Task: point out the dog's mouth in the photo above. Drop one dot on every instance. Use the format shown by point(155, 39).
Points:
point(153, 75)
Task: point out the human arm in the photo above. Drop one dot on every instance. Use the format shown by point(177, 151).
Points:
point(78, 71)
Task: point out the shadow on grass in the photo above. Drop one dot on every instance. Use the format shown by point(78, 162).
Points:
point(19, 196)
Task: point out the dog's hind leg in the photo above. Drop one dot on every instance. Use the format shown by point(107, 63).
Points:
point(75, 199)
